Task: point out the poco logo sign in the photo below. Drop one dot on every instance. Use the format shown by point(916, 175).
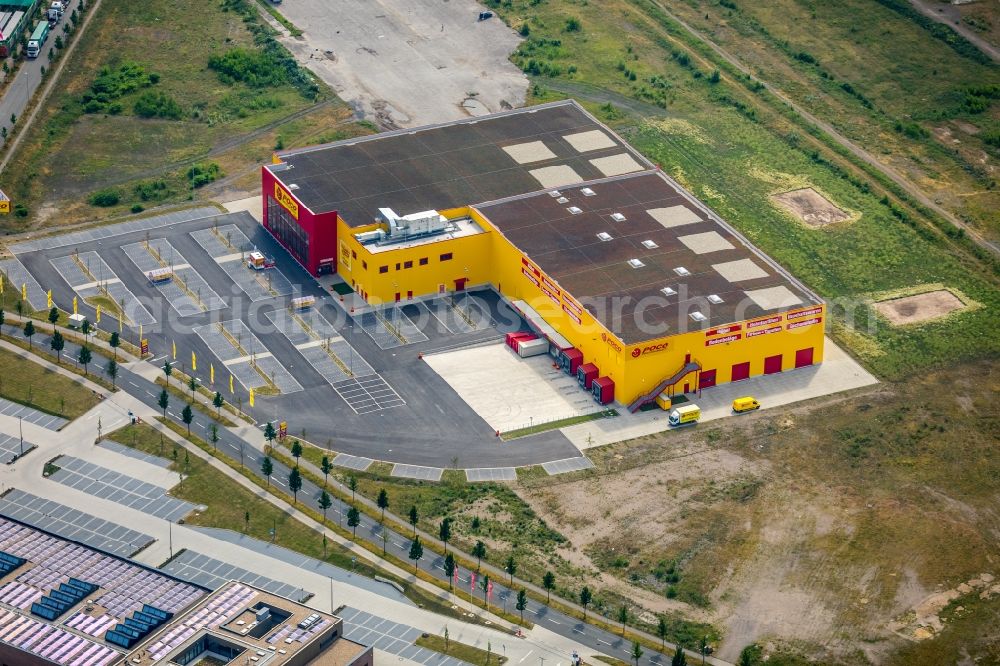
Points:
point(286, 200)
point(649, 349)
point(611, 341)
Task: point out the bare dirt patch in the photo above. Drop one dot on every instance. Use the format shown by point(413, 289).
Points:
point(810, 207)
point(919, 307)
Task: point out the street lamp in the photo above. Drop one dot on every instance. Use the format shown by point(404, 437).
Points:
point(20, 430)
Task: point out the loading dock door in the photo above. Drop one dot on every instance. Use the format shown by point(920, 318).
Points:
point(772, 364)
point(460, 284)
point(803, 357)
point(706, 380)
point(741, 371)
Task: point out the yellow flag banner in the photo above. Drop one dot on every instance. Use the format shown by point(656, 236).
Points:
point(251, 397)
point(75, 310)
point(98, 313)
point(231, 389)
point(48, 299)
point(211, 374)
point(173, 349)
point(1, 284)
point(120, 326)
point(24, 291)
point(194, 362)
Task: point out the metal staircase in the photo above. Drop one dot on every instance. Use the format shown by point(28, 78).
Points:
point(689, 367)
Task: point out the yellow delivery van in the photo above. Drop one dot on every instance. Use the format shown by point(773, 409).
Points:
point(684, 415)
point(745, 404)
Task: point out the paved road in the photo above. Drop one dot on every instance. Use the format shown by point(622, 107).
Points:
point(29, 75)
point(859, 152)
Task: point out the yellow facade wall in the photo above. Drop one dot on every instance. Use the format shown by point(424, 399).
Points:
point(404, 275)
point(489, 258)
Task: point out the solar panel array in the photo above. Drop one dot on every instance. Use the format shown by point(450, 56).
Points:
point(216, 612)
point(51, 642)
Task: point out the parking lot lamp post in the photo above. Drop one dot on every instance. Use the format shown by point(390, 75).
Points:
point(20, 430)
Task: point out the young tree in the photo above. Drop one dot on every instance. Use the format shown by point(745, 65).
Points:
point(661, 630)
point(416, 552)
point(246, 521)
point(353, 519)
point(58, 343)
point(218, 401)
point(585, 599)
point(352, 483)
point(747, 657)
point(479, 552)
point(679, 658)
point(326, 467)
point(324, 503)
point(19, 306)
point(703, 648)
point(511, 567)
point(295, 484)
point(114, 341)
point(414, 517)
point(29, 331)
point(53, 317)
point(623, 617)
point(449, 569)
point(168, 370)
point(382, 502)
point(269, 433)
point(267, 469)
point(193, 386)
point(636, 652)
point(187, 415)
point(296, 451)
point(84, 358)
point(522, 603)
point(85, 327)
point(112, 371)
point(549, 583)
point(3, 317)
point(213, 436)
point(444, 532)
point(164, 401)
point(484, 585)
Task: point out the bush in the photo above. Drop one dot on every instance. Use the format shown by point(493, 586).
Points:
point(525, 30)
point(137, 208)
point(257, 69)
point(200, 175)
point(112, 84)
point(105, 198)
point(157, 105)
point(152, 190)
point(991, 137)
point(20, 210)
point(573, 25)
point(912, 130)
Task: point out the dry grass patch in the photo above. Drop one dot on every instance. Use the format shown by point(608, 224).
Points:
point(810, 207)
point(919, 307)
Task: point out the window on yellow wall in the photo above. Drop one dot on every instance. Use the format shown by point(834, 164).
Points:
point(383, 269)
point(397, 266)
point(446, 256)
point(364, 264)
point(354, 254)
point(407, 264)
point(423, 261)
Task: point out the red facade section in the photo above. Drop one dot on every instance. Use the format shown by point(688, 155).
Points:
point(310, 239)
point(772, 365)
point(804, 357)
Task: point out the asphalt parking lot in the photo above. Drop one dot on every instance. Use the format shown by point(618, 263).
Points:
point(335, 381)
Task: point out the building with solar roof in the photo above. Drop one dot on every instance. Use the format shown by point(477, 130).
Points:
point(64, 603)
point(639, 288)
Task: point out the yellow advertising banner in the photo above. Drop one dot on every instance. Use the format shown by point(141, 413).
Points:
point(286, 200)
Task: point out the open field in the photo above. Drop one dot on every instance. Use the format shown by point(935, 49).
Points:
point(150, 121)
point(30, 384)
point(857, 64)
point(814, 527)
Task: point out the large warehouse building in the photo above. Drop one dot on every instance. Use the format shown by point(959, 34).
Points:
point(630, 278)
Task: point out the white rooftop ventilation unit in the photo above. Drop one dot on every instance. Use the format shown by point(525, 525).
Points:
point(555, 193)
point(604, 235)
point(617, 217)
point(399, 229)
point(668, 291)
point(649, 245)
point(574, 210)
point(587, 192)
point(697, 316)
point(562, 200)
point(635, 263)
point(714, 298)
point(680, 270)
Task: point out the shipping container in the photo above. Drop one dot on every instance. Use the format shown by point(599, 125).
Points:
point(517, 335)
point(571, 359)
point(586, 374)
point(603, 389)
point(521, 340)
point(664, 401)
point(535, 347)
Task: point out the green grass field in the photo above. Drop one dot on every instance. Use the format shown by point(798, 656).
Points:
point(28, 383)
point(90, 137)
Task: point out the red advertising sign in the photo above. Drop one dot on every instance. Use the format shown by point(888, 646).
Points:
point(764, 331)
point(764, 322)
point(552, 297)
point(807, 322)
point(718, 341)
point(722, 330)
point(530, 265)
point(531, 277)
point(282, 430)
point(568, 302)
point(803, 313)
point(550, 285)
point(143, 347)
point(572, 315)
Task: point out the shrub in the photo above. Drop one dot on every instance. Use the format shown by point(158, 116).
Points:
point(256, 69)
point(991, 137)
point(714, 78)
point(202, 174)
point(157, 105)
point(20, 210)
point(912, 130)
point(152, 190)
point(573, 25)
point(525, 30)
point(112, 84)
point(105, 198)
point(137, 208)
